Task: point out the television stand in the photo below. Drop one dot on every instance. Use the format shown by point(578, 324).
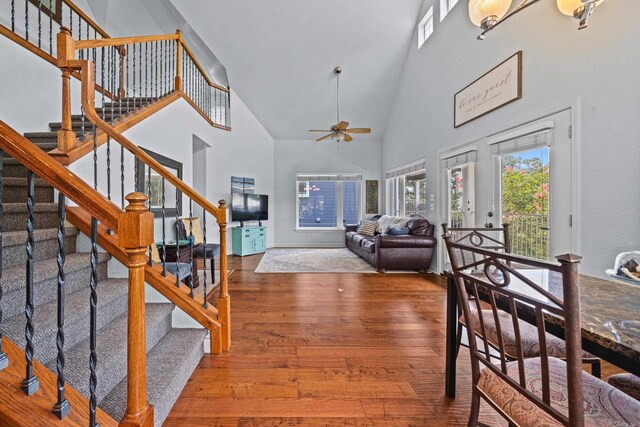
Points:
point(249, 240)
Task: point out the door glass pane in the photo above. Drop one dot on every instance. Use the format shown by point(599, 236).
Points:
point(415, 188)
point(456, 193)
point(318, 206)
point(350, 202)
point(525, 201)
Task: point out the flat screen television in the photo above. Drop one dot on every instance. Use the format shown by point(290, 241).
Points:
point(249, 207)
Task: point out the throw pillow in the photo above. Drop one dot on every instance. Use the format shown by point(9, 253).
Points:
point(386, 221)
point(367, 228)
point(399, 231)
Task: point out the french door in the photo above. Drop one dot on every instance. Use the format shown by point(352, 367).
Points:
point(461, 196)
point(531, 188)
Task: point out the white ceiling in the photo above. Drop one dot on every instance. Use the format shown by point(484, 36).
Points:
point(280, 56)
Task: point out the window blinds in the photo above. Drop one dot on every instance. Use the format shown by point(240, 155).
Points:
point(460, 159)
point(414, 167)
point(329, 177)
point(523, 143)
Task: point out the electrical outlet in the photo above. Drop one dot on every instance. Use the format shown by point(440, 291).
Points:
point(432, 198)
point(432, 206)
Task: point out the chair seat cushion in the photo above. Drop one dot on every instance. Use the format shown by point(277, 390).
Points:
point(627, 383)
point(185, 269)
point(604, 405)
point(556, 347)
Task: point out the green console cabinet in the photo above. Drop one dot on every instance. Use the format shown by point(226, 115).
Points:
point(249, 240)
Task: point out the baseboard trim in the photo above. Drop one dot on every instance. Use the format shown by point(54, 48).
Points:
point(308, 245)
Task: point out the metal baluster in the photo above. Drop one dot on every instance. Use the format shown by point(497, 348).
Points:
point(112, 78)
point(163, 68)
point(61, 408)
point(79, 27)
point(95, 157)
point(178, 238)
point(146, 70)
point(122, 177)
point(126, 85)
point(13, 15)
point(26, 18)
point(102, 80)
point(30, 384)
point(50, 29)
point(164, 235)
point(140, 76)
point(71, 20)
point(39, 24)
point(4, 361)
point(204, 244)
point(149, 199)
point(136, 174)
point(134, 78)
point(155, 83)
point(120, 80)
point(191, 294)
point(93, 357)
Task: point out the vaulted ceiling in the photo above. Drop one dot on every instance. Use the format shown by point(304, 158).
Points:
point(280, 56)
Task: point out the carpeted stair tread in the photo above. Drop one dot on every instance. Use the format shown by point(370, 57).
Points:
point(15, 190)
point(112, 303)
point(77, 269)
point(169, 366)
point(22, 182)
point(111, 348)
point(46, 245)
point(15, 215)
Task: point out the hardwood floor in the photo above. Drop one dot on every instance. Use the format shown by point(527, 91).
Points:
point(330, 350)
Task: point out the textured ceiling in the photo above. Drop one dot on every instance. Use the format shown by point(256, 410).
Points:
point(280, 56)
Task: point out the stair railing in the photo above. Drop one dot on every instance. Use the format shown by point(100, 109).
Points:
point(33, 25)
point(135, 233)
point(145, 73)
point(153, 178)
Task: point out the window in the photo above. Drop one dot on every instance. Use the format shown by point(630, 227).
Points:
point(425, 28)
point(407, 190)
point(445, 7)
point(327, 202)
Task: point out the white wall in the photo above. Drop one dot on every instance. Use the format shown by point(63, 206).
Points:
point(599, 65)
point(307, 156)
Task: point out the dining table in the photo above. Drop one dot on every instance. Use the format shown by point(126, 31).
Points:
point(609, 317)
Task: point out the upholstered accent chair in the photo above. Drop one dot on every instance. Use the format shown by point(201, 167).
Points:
point(190, 228)
point(498, 239)
point(538, 391)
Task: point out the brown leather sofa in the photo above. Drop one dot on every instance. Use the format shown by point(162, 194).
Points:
point(388, 252)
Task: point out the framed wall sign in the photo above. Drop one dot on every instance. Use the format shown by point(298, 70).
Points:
point(495, 89)
point(371, 195)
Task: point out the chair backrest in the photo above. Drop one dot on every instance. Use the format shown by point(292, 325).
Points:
point(191, 226)
point(489, 276)
point(487, 238)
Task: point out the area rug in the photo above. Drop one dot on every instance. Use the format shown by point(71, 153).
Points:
point(340, 260)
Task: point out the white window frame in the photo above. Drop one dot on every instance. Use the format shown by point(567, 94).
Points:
point(445, 7)
point(396, 186)
point(425, 27)
point(339, 200)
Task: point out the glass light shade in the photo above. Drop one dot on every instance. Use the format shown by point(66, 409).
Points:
point(481, 9)
point(568, 7)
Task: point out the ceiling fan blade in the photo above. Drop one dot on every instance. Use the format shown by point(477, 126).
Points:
point(342, 125)
point(324, 137)
point(347, 138)
point(316, 130)
point(359, 130)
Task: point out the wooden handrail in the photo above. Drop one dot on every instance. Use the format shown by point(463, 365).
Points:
point(204, 74)
point(120, 41)
point(59, 177)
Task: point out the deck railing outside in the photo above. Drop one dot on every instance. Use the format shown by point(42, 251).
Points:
point(529, 234)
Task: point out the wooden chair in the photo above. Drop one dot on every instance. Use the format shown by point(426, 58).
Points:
point(540, 391)
point(497, 239)
point(191, 227)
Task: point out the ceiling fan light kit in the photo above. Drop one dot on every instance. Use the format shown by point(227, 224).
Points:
point(488, 14)
point(340, 131)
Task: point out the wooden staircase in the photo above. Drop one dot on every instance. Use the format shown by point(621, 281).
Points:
point(94, 351)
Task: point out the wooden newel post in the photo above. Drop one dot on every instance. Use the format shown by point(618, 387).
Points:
point(224, 302)
point(178, 80)
point(135, 234)
point(66, 52)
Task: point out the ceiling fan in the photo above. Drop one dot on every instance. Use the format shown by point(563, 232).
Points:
point(340, 131)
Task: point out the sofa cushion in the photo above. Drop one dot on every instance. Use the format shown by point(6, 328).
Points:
point(349, 235)
point(367, 228)
point(368, 244)
point(387, 241)
point(398, 231)
point(420, 227)
point(357, 239)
